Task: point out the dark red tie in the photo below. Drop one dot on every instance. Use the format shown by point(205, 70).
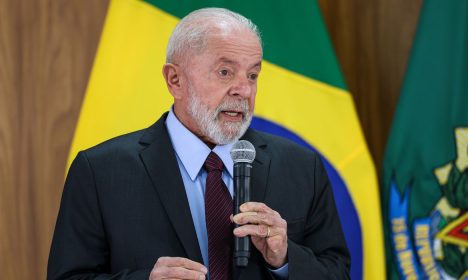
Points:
point(218, 208)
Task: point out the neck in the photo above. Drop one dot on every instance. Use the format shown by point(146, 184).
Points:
point(208, 142)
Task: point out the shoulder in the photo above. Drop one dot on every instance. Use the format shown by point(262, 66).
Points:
point(127, 143)
point(279, 146)
point(118, 157)
point(130, 144)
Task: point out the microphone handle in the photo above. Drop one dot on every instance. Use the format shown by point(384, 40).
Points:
point(242, 173)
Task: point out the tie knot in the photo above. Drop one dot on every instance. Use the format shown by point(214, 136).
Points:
point(213, 162)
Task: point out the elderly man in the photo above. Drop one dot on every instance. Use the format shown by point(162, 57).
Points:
point(157, 203)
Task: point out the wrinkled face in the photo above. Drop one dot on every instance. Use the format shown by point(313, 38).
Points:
point(221, 84)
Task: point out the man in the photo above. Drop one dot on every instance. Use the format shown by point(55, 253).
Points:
point(157, 203)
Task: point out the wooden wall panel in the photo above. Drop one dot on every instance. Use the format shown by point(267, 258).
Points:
point(9, 114)
point(372, 40)
point(46, 53)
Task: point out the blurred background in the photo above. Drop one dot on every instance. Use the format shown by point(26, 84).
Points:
point(47, 48)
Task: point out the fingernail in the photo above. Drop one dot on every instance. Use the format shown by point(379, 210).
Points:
point(202, 277)
point(204, 270)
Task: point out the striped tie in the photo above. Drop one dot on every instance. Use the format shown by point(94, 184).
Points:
point(218, 208)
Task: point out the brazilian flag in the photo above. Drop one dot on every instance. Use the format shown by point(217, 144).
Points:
point(425, 174)
point(301, 96)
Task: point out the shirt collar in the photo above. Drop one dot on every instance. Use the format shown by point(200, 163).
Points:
point(191, 151)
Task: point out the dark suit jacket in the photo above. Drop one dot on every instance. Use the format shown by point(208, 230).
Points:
point(124, 206)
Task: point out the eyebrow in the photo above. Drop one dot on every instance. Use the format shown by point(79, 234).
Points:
point(258, 64)
point(227, 60)
point(230, 61)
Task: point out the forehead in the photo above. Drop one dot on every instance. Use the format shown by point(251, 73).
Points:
point(239, 46)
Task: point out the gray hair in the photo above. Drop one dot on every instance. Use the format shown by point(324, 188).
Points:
point(191, 32)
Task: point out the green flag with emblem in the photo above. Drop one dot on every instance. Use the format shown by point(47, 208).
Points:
point(425, 177)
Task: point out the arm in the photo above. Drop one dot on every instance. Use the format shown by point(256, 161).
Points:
point(317, 251)
point(322, 253)
point(79, 247)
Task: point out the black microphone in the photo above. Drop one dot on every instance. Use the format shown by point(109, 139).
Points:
point(243, 154)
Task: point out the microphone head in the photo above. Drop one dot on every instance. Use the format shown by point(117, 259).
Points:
point(243, 151)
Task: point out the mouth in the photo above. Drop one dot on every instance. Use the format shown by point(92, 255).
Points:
point(232, 115)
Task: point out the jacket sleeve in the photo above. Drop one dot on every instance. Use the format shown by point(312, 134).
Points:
point(79, 247)
point(322, 253)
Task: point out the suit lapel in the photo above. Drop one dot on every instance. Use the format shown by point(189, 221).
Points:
point(161, 164)
point(163, 169)
point(261, 166)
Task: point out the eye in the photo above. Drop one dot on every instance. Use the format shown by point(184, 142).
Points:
point(253, 76)
point(224, 72)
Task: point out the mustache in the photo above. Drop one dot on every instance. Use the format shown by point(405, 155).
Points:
point(234, 105)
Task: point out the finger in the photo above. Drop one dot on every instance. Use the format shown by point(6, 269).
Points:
point(181, 262)
point(252, 230)
point(255, 218)
point(276, 243)
point(256, 207)
point(162, 273)
point(181, 273)
point(261, 231)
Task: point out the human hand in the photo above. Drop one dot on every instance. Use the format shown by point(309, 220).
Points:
point(177, 268)
point(268, 231)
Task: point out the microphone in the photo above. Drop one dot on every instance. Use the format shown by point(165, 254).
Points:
point(243, 154)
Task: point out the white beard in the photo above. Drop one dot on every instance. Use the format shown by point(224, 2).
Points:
point(210, 125)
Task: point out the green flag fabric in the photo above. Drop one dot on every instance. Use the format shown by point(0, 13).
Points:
point(425, 176)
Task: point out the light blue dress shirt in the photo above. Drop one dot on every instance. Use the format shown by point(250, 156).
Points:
point(191, 154)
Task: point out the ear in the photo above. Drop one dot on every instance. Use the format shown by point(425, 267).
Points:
point(173, 75)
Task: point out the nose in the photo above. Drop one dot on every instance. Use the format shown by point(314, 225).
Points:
point(242, 87)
